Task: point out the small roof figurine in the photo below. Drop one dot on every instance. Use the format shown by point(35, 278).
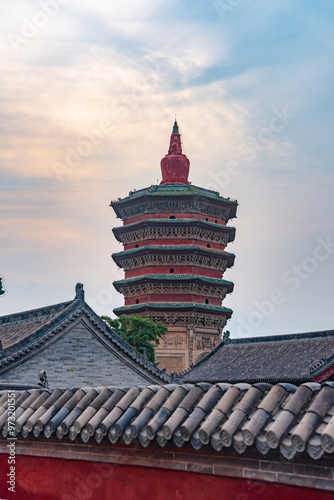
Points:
point(2, 291)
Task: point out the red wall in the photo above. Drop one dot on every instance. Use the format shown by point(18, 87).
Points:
point(177, 215)
point(203, 271)
point(174, 241)
point(173, 297)
point(52, 479)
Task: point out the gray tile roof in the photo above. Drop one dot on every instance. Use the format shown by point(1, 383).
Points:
point(291, 358)
point(16, 327)
point(241, 416)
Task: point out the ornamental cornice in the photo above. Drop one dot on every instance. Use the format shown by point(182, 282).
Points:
point(175, 288)
point(196, 319)
point(191, 259)
point(171, 232)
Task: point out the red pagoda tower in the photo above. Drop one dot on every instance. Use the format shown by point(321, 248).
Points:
point(174, 236)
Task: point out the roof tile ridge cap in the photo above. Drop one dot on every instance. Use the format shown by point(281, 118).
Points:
point(40, 336)
point(33, 311)
point(285, 337)
point(127, 348)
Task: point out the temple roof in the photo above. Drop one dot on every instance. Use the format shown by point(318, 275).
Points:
point(289, 358)
point(26, 333)
point(14, 328)
point(259, 417)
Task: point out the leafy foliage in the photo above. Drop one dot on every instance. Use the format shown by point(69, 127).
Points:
point(142, 333)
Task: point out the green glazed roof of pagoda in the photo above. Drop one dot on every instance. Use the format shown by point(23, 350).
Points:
point(173, 305)
point(168, 248)
point(173, 189)
point(172, 222)
point(175, 277)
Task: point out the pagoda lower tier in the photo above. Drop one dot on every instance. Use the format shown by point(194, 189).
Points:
point(193, 330)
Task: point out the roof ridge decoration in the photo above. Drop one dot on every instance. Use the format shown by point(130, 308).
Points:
point(260, 417)
point(2, 290)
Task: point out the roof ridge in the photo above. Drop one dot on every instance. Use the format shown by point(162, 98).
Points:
point(36, 338)
point(282, 337)
point(32, 312)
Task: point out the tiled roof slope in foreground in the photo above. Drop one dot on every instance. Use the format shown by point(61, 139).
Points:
point(293, 419)
point(294, 358)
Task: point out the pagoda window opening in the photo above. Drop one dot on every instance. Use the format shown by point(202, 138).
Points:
point(208, 245)
point(216, 222)
point(171, 270)
point(207, 219)
point(172, 217)
point(137, 301)
point(206, 301)
point(137, 246)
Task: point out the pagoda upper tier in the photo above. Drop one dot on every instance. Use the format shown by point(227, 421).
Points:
point(175, 197)
point(174, 237)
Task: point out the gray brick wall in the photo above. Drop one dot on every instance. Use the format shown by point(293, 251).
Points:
point(76, 360)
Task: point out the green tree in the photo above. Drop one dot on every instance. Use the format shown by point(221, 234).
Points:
point(142, 333)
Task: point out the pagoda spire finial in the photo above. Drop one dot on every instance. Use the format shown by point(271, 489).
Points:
point(175, 165)
point(175, 128)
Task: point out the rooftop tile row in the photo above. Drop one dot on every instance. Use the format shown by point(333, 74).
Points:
point(282, 416)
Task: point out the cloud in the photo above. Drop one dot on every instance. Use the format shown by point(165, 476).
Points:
point(134, 65)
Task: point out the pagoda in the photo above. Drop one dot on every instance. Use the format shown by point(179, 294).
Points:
point(174, 236)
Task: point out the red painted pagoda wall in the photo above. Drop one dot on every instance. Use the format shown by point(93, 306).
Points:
point(175, 241)
point(142, 271)
point(177, 215)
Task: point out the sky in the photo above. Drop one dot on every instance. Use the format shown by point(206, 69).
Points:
point(89, 91)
